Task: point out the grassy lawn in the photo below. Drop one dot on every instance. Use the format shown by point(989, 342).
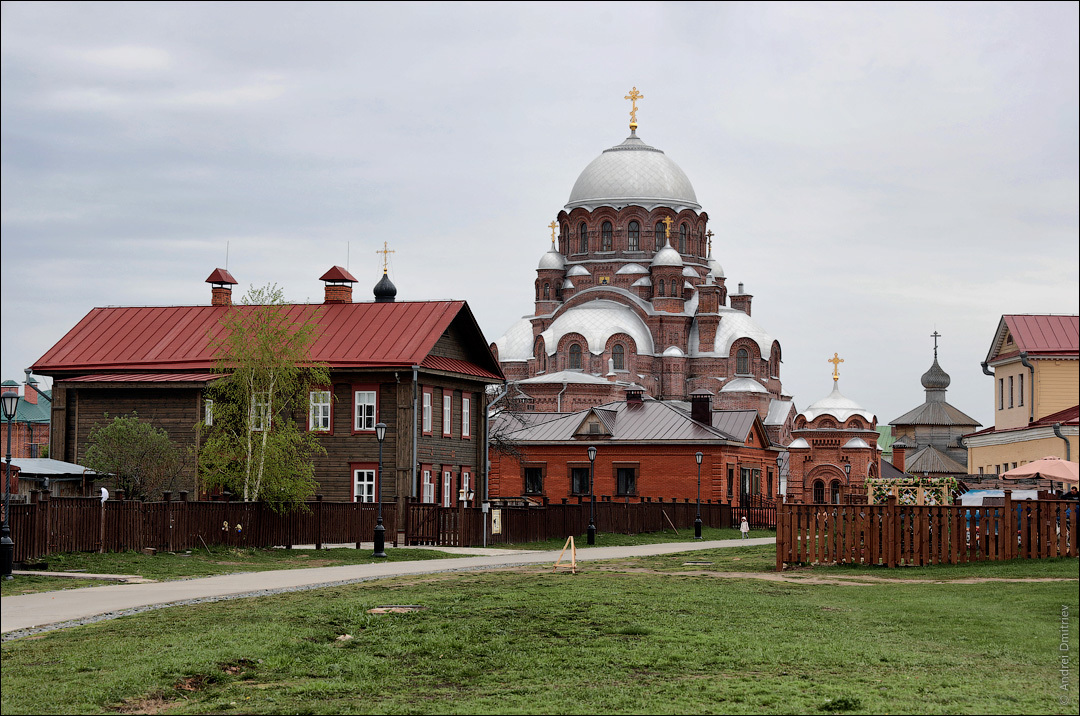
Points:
point(605, 539)
point(529, 641)
point(199, 563)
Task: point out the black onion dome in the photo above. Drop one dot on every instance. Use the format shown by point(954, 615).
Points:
point(385, 290)
point(935, 378)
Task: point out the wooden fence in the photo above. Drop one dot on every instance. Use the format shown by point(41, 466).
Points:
point(894, 535)
point(85, 524)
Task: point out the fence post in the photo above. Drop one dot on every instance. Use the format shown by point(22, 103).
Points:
point(318, 522)
point(891, 533)
point(1009, 550)
point(166, 526)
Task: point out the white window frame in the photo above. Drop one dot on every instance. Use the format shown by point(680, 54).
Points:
point(364, 490)
point(427, 412)
point(447, 488)
point(208, 411)
point(365, 413)
point(428, 489)
point(466, 417)
point(447, 414)
point(319, 403)
point(259, 413)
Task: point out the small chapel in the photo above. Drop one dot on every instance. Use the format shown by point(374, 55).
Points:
point(630, 295)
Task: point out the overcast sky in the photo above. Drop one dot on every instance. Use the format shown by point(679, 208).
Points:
point(873, 173)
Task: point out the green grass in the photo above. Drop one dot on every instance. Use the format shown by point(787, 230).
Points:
point(31, 584)
point(595, 642)
point(204, 563)
point(610, 539)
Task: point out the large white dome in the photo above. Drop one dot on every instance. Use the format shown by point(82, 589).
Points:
point(596, 321)
point(633, 173)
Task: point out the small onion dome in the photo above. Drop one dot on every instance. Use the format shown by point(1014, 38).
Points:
point(552, 260)
point(385, 290)
point(715, 268)
point(667, 256)
point(935, 378)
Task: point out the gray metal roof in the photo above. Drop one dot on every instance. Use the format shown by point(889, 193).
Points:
point(46, 466)
point(930, 459)
point(935, 412)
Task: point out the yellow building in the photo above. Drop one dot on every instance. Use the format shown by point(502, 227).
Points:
point(1035, 364)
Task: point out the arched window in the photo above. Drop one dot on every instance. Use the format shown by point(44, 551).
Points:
point(742, 362)
point(682, 238)
point(605, 236)
point(819, 492)
point(633, 236)
point(661, 292)
point(583, 233)
point(547, 291)
point(658, 232)
point(834, 492)
point(575, 357)
point(618, 357)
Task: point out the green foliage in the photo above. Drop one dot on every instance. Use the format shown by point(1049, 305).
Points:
point(142, 459)
point(255, 447)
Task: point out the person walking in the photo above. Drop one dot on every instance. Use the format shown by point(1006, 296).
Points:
point(744, 527)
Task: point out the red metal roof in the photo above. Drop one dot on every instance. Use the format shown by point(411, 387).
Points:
point(146, 378)
point(453, 365)
point(221, 275)
point(336, 273)
point(1039, 335)
point(181, 338)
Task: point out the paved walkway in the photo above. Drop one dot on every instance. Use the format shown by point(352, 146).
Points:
point(29, 611)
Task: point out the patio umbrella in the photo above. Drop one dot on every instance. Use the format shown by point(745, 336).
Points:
point(1050, 468)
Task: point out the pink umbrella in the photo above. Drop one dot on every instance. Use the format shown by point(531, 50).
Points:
point(1050, 468)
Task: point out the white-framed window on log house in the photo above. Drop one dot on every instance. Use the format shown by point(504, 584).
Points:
point(363, 483)
point(426, 420)
point(427, 486)
point(447, 414)
point(447, 488)
point(319, 411)
point(259, 414)
point(466, 417)
point(466, 481)
point(365, 408)
point(208, 411)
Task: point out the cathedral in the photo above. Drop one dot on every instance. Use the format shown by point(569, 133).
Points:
point(630, 296)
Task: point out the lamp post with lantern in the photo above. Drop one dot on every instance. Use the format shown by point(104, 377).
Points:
point(697, 520)
point(592, 497)
point(380, 531)
point(10, 400)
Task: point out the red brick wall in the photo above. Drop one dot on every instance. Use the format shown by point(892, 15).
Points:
point(22, 436)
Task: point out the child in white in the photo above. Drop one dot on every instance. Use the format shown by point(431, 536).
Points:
point(744, 527)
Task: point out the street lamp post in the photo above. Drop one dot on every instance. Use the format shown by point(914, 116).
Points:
point(697, 520)
point(380, 531)
point(592, 497)
point(10, 401)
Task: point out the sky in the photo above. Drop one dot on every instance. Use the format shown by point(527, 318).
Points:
point(873, 172)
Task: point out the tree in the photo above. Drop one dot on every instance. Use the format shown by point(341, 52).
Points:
point(254, 446)
point(141, 457)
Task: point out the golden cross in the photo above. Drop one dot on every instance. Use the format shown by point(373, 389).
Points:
point(667, 228)
point(553, 226)
point(708, 235)
point(836, 360)
point(634, 96)
point(386, 255)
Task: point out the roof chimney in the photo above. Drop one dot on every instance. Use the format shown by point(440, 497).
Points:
point(633, 394)
point(741, 301)
point(221, 283)
point(338, 285)
point(899, 452)
point(701, 406)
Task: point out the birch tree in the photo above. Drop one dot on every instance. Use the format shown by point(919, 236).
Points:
point(254, 446)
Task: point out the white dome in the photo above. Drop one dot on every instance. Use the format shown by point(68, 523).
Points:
point(578, 270)
point(632, 269)
point(517, 343)
point(633, 173)
point(690, 272)
point(799, 443)
point(643, 281)
point(667, 256)
point(673, 352)
point(838, 406)
point(856, 443)
point(715, 268)
point(743, 385)
point(735, 324)
point(552, 260)
point(567, 283)
point(597, 321)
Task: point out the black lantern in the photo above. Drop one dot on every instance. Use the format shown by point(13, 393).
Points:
point(10, 400)
point(380, 531)
point(592, 497)
point(697, 520)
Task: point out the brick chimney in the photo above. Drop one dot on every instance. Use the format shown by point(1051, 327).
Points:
point(741, 301)
point(633, 394)
point(29, 394)
point(701, 406)
point(221, 283)
point(899, 452)
point(338, 285)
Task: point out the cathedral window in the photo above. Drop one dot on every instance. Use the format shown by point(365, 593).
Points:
point(633, 236)
point(547, 291)
point(575, 357)
point(742, 362)
point(658, 232)
point(819, 492)
point(661, 289)
point(583, 234)
point(834, 490)
point(618, 357)
point(605, 236)
point(682, 239)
